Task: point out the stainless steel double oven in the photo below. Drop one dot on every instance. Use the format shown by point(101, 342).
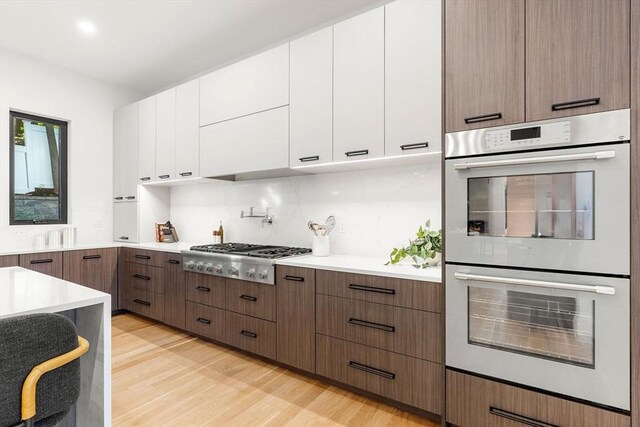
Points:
point(537, 254)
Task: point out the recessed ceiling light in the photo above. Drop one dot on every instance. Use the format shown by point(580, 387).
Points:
point(86, 27)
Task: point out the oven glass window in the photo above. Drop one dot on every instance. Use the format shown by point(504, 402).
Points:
point(547, 326)
point(558, 206)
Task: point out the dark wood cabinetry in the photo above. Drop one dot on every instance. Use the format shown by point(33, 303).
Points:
point(205, 321)
point(251, 334)
point(49, 263)
point(142, 256)
point(204, 289)
point(9, 261)
point(94, 268)
point(252, 299)
point(174, 291)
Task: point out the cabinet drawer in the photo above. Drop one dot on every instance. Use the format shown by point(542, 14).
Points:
point(253, 299)
point(251, 334)
point(477, 402)
point(95, 268)
point(204, 289)
point(143, 302)
point(9, 261)
point(142, 256)
point(144, 277)
point(384, 290)
point(49, 263)
point(405, 379)
point(205, 321)
point(411, 332)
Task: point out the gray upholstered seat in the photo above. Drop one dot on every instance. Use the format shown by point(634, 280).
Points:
point(26, 341)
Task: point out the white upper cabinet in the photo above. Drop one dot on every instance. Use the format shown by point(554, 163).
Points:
point(413, 55)
point(255, 143)
point(147, 140)
point(166, 134)
point(125, 222)
point(125, 153)
point(358, 87)
point(311, 99)
point(187, 129)
point(255, 84)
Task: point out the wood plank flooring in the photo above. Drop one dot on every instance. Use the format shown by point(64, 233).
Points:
point(163, 377)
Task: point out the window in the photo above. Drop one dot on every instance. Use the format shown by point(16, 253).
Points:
point(38, 168)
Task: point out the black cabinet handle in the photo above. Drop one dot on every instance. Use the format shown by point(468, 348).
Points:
point(142, 256)
point(131, 197)
point(173, 261)
point(373, 325)
point(118, 198)
point(203, 289)
point(248, 334)
point(309, 159)
point(372, 289)
point(203, 320)
point(518, 418)
point(142, 302)
point(42, 261)
point(92, 257)
point(356, 153)
point(186, 174)
point(124, 237)
point(248, 298)
point(294, 278)
point(414, 146)
point(575, 104)
point(142, 277)
point(484, 118)
point(146, 178)
point(370, 370)
point(164, 176)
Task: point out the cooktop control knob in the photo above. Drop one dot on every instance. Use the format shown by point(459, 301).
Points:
point(209, 267)
point(218, 268)
point(251, 273)
point(200, 266)
point(263, 274)
point(191, 265)
point(233, 271)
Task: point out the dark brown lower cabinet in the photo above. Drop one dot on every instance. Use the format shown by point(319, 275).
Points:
point(174, 291)
point(9, 261)
point(479, 402)
point(145, 303)
point(252, 299)
point(205, 321)
point(49, 263)
point(94, 268)
point(251, 334)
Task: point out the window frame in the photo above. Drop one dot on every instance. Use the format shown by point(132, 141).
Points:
point(63, 174)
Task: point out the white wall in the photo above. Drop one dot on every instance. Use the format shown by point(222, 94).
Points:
point(378, 209)
point(42, 89)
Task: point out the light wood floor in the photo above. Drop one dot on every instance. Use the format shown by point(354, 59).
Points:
point(162, 377)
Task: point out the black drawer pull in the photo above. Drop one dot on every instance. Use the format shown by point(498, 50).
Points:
point(248, 298)
point(370, 370)
point(142, 256)
point(248, 334)
point(186, 173)
point(309, 159)
point(373, 325)
point(163, 176)
point(142, 277)
point(42, 261)
point(372, 289)
point(356, 153)
point(414, 146)
point(146, 178)
point(124, 237)
point(203, 320)
point(92, 257)
point(518, 418)
point(294, 278)
point(203, 289)
point(118, 198)
point(173, 261)
point(131, 197)
point(575, 104)
point(484, 118)
point(142, 302)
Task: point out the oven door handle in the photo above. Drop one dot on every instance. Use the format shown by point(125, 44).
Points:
point(596, 289)
point(596, 155)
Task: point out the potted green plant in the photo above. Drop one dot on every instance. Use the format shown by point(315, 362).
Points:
point(425, 250)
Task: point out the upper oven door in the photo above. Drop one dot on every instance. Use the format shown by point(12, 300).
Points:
point(563, 209)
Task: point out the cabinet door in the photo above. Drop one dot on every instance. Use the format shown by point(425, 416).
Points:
point(358, 87)
point(125, 222)
point(311, 107)
point(166, 134)
point(577, 57)
point(147, 140)
point(94, 268)
point(484, 63)
point(254, 143)
point(413, 67)
point(174, 291)
point(187, 129)
point(49, 263)
point(256, 84)
point(125, 153)
point(9, 261)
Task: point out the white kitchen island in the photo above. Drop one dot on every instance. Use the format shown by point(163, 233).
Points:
point(24, 291)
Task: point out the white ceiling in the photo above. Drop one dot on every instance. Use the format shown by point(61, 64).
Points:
point(149, 45)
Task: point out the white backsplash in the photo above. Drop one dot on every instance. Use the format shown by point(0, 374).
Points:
point(375, 209)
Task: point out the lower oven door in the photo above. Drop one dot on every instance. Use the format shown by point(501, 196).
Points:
point(564, 333)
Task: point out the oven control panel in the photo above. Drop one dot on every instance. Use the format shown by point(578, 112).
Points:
point(526, 138)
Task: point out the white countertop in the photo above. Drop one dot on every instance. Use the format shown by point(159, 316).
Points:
point(24, 291)
point(155, 246)
point(364, 265)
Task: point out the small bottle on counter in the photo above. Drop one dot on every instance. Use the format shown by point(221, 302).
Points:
point(221, 233)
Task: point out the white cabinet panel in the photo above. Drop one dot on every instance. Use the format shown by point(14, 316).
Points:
point(187, 146)
point(125, 153)
point(255, 84)
point(311, 98)
point(147, 139)
point(254, 143)
point(358, 109)
point(125, 222)
point(165, 134)
point(413, 93)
